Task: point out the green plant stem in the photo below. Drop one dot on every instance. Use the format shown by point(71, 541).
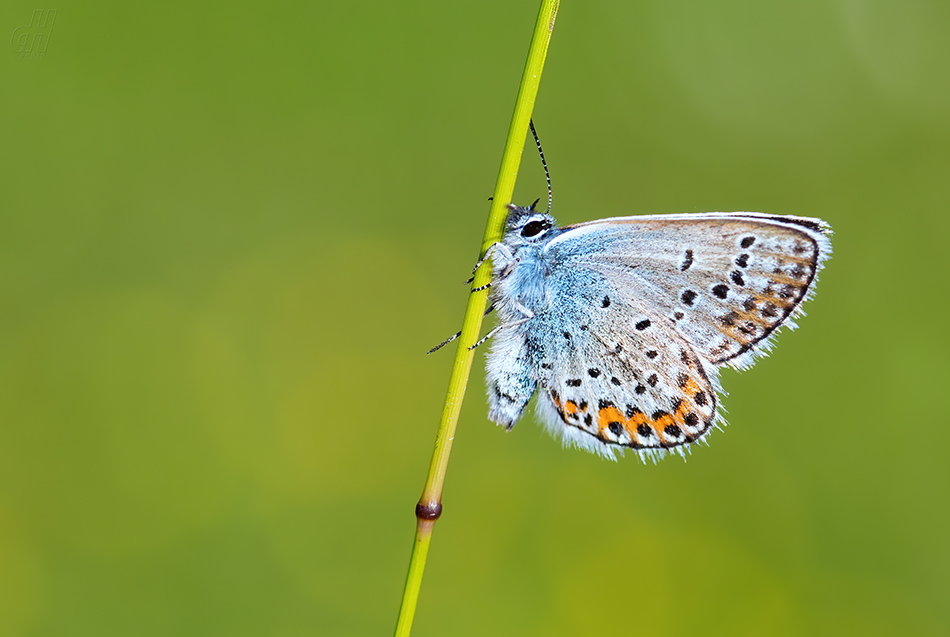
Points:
point(430, 504)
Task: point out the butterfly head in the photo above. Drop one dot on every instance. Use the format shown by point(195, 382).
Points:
point(527, 226)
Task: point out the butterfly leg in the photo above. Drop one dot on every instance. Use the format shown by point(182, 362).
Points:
point(508, 268)
point(459, 333)
point(489, 253)
point(509, 261)
point(495, 331)
point(528, 313)
point(528, 316)
point(485, 338)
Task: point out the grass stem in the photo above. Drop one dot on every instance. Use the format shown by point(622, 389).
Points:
point(430, 504)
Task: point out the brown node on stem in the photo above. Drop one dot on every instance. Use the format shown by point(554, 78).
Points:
point(429, 511)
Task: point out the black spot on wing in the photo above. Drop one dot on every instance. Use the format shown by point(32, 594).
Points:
point(687, 260)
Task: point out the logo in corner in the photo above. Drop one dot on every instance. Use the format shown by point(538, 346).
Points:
point(31, 41)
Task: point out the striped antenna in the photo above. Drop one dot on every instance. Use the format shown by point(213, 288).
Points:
point(547, 175)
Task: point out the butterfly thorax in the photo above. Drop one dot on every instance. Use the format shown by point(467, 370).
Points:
point(520, 268)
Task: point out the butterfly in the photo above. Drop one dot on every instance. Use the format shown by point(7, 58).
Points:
point(621, 325)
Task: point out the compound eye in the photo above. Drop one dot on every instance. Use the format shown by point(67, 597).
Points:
point(534, 227)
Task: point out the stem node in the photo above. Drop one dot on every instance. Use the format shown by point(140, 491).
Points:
point(429, 510)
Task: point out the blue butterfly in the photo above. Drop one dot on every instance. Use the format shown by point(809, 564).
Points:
point(623, 323)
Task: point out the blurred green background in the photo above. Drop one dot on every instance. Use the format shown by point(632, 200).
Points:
point(229, 233)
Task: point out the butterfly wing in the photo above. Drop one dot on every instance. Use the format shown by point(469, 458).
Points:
point(726, 281)
point(616, 373)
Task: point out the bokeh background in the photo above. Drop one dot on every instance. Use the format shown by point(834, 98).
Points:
point(229, 232)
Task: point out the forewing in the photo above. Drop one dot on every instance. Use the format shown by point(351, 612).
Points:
point(615, 374)
point(726, 281)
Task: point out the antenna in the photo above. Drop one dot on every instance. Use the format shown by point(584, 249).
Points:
point(547, 175)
